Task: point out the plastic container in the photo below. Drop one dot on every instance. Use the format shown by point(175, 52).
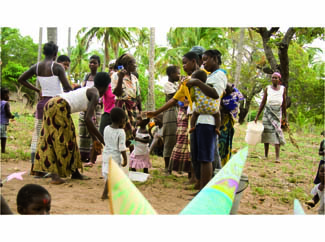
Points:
point(254, 133)
point(243, 184)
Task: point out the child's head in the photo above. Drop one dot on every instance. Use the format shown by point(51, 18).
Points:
point(101, 82)
point(50, 49)
point(33, 199)
point(118, 117)
point(64, 61)
point(229, 88)
point(321, 173)
point(94, 62)
point(173, 73)
point(142, 122)
point(4, 93)
point(201, 75)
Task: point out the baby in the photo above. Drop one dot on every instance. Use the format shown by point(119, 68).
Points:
point(197, 96)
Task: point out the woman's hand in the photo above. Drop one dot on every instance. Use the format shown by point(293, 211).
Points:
point(255, 120)
point(122, 73)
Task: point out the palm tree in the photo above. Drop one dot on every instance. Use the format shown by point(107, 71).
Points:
point(113, 37)
point(151, 93)
point(52, 34)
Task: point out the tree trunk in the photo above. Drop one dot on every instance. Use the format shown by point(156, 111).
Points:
point(69, 49)
point(151, 86)
point(239, 56)
point(52, 34)
point(39, 56)
point(106, 55)
point(0, 55)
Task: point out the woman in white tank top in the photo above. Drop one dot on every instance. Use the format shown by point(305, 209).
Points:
point(274, 100)
point(52, 78)
point(57, 150)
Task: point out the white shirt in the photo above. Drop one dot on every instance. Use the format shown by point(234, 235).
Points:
point(218, 80)
point(170, 88)
point(274, 97)
point(77, 99)
point(314, 191)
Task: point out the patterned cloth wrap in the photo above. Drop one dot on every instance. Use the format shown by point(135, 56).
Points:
point(205, 104)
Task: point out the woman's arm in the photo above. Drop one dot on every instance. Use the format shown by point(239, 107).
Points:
point(284, 106)
point(118, 89)
point(261, 105)
point(167, 105)
point(25, 76)
point(63, 78)
point(206, 89)
point(93, 96)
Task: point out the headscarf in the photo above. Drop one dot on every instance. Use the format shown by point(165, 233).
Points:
point(276, 74)
point(230, 102)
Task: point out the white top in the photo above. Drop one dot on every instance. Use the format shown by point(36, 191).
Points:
point(114, 144)
point(314, 191)
point(170, 88)
point(77, 99)
point(218, 80)
point(274, 97)
point(139, 147)
point(50, 85)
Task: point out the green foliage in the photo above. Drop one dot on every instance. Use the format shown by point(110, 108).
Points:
point(11, 73)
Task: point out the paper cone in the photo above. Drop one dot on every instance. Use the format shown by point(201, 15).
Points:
point(297, 208)
point(124, 197)
point(218, 195)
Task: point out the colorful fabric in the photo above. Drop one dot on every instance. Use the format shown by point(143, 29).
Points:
point(183, 92)
point(131, 110)
point(3, 116)
point(85, 140)
point(130, 87)
point(40, 107)
point(180, 157)
point(205, 104)
point(124, 196)
point(108, 100)
point(230, 102)
point(3, 130)
point(276, 74)
point(169, 130)
point(140, 161)
point(37, 130)
point(272, 133)
point(218, 195)
point(227, 132)
point(57, 149)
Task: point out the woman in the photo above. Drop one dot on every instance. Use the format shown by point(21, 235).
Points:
point(274, 101)
point(85, 140)
point(204, 138)
point(229, 109)
point(57, 149)
point(50, 76)
point(126, 88)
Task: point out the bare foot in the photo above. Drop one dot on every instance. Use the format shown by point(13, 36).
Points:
point(56, 180)
point(277, 160)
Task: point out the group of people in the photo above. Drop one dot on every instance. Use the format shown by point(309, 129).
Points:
point(195, 125)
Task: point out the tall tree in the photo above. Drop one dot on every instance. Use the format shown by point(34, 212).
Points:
point(240, 50)
point(151, 96)
point(111, 37)
point(52, 34)
point(69, 48)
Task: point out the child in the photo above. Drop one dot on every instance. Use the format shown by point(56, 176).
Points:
point(64, 61)
point(202, 76)
point(157, 143)
point(318, 191)
point(114, 137)
point(5, 115)
point(139, 157)
point(33, 199)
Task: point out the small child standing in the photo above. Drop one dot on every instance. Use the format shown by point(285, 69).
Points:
point(139, 158)
point(114, 137)
point(5, 115)
point(33, 199)
point(318, 191)
point(209, 108)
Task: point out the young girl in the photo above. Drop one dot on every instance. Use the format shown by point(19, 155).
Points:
point(33, 199)
point(114, 137)
point(86, 142)
point(5, 115)
point(318, 191)
point(139, 158)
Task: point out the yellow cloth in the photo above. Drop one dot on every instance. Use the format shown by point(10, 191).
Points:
point(183, 92)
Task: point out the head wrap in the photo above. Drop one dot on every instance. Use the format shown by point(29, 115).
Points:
point(198, 50)
point(276, 74)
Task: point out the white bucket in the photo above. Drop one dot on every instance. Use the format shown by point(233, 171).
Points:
point(254, 133)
